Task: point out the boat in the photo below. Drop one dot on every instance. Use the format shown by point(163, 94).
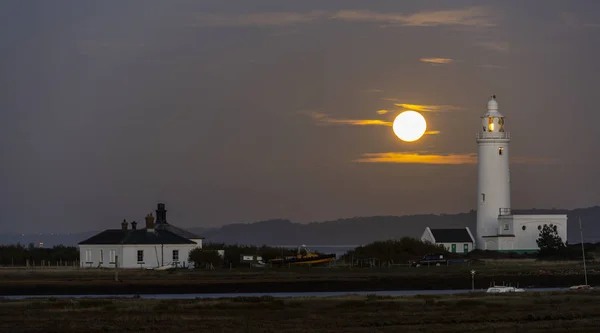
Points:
point(504, 289)
point(585, 286)
point(306, 258)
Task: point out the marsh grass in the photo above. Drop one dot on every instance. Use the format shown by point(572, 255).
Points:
point(477, 312)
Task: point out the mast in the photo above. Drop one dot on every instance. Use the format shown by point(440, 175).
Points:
point(583, 251)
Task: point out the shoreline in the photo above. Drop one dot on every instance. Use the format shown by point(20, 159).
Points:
point(201, 285)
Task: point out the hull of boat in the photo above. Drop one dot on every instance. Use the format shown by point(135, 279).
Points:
point(322, 259)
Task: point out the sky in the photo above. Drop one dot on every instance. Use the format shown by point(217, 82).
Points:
point(240, 111)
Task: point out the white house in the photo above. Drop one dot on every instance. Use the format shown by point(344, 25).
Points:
point(158, 244)
point(454, 240)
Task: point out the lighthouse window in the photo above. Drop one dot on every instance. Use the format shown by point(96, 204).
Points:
point(506, 226)
point(482, 197)
point(500, 150)
point(523, 227)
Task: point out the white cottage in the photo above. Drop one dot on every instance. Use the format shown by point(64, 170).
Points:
point(159, 244)
point(453, 240)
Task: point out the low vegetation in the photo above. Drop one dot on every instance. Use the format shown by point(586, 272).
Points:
point(394, 251)
point(19, 255)
point(472, 312)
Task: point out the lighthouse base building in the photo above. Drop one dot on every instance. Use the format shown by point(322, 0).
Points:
point(519, 232)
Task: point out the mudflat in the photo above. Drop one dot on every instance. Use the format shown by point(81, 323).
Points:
point(136, 281)
point(473, 312)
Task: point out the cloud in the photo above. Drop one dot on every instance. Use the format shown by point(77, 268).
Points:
point(498, 46)
point(428, 108)
point(253, 19)
point(491, 66)
point(324, 119)
point(382, 111)
point(438, 61)
point(372, 90)
point(440, 159)
point(432, 132)
point(472, 16)
point(418, 158)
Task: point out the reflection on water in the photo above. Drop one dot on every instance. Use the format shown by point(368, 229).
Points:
point(298, 294)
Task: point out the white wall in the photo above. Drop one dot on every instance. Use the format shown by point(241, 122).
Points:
point(198, 241)
point(459, 247)
point(99, 255)
point(427, 237)
point(153, 255)
point(493, 185)
point(526, 239)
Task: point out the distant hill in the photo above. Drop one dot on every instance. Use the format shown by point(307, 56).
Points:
point(350, 231)
point(364, 230)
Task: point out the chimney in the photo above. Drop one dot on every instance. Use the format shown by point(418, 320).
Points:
point(150, 223)
point(133, 225)
point(161, 214)
point(124, 225)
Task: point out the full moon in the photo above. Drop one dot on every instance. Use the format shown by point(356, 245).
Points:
point(409, 126)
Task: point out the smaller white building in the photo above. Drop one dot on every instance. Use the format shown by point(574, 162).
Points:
point(159, 244)
point(453, 240)
point(520, 232)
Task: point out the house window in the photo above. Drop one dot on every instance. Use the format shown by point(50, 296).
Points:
point(175, 255)
point(140, 255)
point(88, 255)
point(111, 256)
point(500, 150)
point(506, 227)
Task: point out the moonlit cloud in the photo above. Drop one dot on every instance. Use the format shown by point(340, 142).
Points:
point(254, 19)
point(324, 119)
point(444, 159)
point(490, 66)
point(472, 16)
point(382, 111)
point(437, 61)
point(498, 46)
point(428, 108)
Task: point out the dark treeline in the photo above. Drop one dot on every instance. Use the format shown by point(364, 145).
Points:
point(232, 253)
point(18, 255)
point(394, 251)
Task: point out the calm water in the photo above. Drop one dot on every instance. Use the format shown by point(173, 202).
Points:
point(299, 294)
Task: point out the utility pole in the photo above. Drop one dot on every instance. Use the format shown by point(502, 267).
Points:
point(116, 268)
point(583, 251)
point(472, 280)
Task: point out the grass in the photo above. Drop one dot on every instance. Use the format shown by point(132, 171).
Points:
point(101, 281)
point(477, 312)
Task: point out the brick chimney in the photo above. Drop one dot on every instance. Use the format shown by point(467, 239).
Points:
point(150, 223)
point(161, 214)
point(133, 225)
point(124, 225)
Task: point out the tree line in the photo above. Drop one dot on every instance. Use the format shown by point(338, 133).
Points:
point(20, 255)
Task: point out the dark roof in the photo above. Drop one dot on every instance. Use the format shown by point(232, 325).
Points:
point(177, 231)
point(140, 236)
point(451, 235)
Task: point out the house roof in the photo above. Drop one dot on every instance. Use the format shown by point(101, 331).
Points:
point(451, 235)
point(177, 231)
point(140, 236)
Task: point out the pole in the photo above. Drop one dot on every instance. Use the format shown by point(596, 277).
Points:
point(472, 280)
point(117, 268)
point(583, 252)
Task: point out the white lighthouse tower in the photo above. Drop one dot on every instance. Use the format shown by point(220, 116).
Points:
point(493, 186)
